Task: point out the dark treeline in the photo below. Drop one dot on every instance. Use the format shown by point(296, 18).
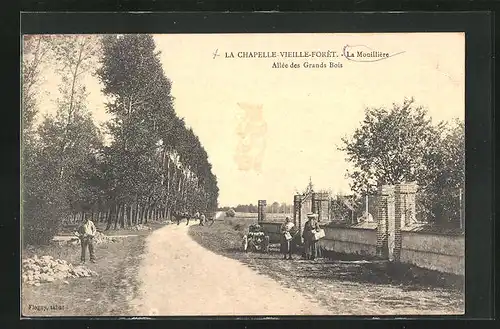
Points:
point(275, 207)
point(152, 164)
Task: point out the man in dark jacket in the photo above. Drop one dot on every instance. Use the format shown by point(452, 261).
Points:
point(310, 244)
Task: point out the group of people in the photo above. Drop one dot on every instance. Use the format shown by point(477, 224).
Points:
point(311, 235)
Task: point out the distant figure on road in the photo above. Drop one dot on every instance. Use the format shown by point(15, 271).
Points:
point(202, 220)
point(286, 238)
point(86, 233)
point(211, 218)
point(178, 217)
point(310, 244)
point(187, 215)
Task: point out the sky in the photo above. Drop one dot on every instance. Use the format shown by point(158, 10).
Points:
point(268, 130)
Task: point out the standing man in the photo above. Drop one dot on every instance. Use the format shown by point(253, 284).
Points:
point(310, 227)
point(86, 233)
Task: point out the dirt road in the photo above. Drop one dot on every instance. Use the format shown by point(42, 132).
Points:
point(180, 277)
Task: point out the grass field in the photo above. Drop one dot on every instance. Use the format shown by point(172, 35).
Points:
point(344, 285)
point(107, 294)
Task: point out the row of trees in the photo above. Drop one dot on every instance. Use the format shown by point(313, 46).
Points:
point(275, 207)
point(150, 165)
point(401, 144)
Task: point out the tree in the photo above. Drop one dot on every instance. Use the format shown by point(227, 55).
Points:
point(401, 144)
point(157, 163)
point(444, 175)
point(36, 51)
point(389, 147)
point(58, 158)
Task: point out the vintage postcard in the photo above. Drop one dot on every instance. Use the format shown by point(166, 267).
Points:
point(243, 174)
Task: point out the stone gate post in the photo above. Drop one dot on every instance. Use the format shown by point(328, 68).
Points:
point(261, 211)
point(405, 195)
point(385, 222)
point(297, 204)
point(314, 204)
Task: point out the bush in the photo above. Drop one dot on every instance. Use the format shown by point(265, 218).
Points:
point(40, 221)
point(230, 213)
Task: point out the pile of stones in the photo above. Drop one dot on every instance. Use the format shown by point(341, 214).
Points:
point(98, 239)
point(38, 270)
point(140, 227)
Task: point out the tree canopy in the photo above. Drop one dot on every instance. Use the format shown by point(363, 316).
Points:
point(401, 144)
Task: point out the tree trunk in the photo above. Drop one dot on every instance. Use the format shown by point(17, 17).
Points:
point(130, 210)
point(109, 218)
point(122, 216)
point(118, 207)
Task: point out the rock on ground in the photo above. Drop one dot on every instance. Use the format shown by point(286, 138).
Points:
point(38, 270)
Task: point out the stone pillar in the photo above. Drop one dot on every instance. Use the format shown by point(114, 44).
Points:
point(261, 214)
point(314, 205)
point(385, 216)
point(404, 195)
point(296, 210)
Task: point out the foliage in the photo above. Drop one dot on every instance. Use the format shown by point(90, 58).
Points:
point(154, 160)
point(56, 152)
point(230, 213)
point(401, 144)
point(154, 164)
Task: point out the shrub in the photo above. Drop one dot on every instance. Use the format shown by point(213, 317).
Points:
point(230, 213)
point(40, 221)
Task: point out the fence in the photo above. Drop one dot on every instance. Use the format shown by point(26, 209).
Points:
point(443, 208)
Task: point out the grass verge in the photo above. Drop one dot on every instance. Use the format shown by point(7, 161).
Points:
point(107, 294)
point(344, 285)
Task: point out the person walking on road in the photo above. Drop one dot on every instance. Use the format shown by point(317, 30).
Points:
point(86, 233)
point(178, 217)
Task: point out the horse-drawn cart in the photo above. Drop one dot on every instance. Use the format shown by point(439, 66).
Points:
point(256, 239)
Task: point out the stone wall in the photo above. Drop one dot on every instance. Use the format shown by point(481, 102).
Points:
point(440, 252)
point(395, 237)
point(350, 240)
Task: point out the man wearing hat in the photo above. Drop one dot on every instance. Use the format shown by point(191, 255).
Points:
point(310, 227)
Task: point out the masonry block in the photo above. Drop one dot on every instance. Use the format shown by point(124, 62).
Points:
point(385, 214)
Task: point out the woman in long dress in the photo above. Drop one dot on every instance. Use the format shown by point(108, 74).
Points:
point(286, 238)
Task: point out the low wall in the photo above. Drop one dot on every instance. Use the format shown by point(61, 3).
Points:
point(444, 253)
point(350, 240)
point(434, 251)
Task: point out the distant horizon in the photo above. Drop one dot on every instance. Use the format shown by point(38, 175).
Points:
point(294, 118)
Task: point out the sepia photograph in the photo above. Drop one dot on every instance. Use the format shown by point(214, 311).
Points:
point(244, 174)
